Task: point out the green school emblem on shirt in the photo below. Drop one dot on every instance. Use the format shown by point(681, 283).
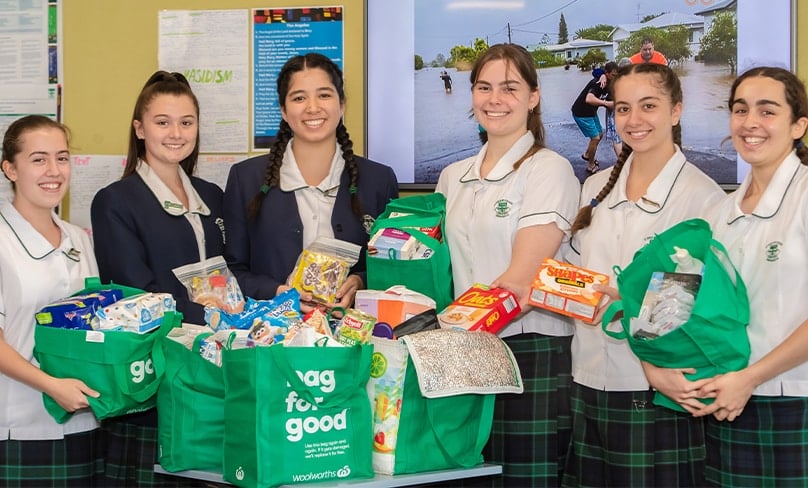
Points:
point(773, 251)
point(168, 204)
point(503, 208)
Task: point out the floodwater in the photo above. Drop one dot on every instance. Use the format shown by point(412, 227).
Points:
point(444, 132)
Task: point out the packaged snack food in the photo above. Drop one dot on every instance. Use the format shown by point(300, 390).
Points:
point(323, 266)
point(77, 312)
point(355, 327)
point(480, 308)
point(567, 289)
point(139, 313)
point(211, 284)
point(285, 306)
point(394, 305)
point(392, 243)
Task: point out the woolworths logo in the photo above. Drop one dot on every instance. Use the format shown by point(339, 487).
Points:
point(322, 475)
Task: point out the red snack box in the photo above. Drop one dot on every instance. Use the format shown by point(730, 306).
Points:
point(480, 308)
point(567, 289)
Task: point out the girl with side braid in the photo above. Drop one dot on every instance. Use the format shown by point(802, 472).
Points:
point(619, 437)
point(311, 184)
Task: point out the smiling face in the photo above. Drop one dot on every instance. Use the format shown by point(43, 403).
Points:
point(644, 114)
point(762, 124)
point(312, 106)
point(169, 128)
point(501, 100)
point(40, 170)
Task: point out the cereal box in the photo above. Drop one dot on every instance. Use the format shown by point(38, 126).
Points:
point(567, 289)
point(481, 308)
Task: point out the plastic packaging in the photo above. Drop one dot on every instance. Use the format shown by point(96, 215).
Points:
point(685, 262)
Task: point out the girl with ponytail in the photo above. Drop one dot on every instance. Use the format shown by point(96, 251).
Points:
point(619, 435)
point(760, 411)
point(311, 184)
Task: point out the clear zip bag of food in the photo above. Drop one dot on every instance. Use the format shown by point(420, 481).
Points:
point(210, 283)
point(323, 266)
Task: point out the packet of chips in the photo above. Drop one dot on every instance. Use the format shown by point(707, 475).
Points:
point(323, 267)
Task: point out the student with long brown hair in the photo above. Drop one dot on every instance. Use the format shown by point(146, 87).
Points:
point(619, 437)
point(756, 428)
point(42, 259)
point(311, 184)
point(508, 208)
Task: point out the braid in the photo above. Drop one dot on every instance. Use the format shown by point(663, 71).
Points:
point(351, 166)
point(802, 151)
point(584, 217)
point(273, 170)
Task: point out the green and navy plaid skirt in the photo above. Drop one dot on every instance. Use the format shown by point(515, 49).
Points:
point(531, 431)
point(130, 450)
point(77, 460)
point(623, 439)
point(767, 445)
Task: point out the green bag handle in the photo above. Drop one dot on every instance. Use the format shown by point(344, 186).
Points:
point(281, 358)
point(460, 458)
point(615, 308)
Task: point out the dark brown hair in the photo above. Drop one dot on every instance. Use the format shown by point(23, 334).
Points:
point(795, 93)
point(670, 84)
point(12, 144)
point(160, 83)
point(276, 152)
point(521, 61)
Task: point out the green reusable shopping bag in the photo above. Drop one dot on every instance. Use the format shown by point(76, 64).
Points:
point(119, 365)
point(714, 339)
point(296, 414)
point(190, 406)
point(432, 276)
point(441, 433)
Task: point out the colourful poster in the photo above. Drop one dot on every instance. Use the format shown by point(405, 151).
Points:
point(278, 34)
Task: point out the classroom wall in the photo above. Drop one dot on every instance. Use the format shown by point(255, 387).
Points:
point(110, 49)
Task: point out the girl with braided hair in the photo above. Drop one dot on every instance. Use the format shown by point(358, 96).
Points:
point(619, 437)
point(311, 184)
point(508, 208)
point(757, 423)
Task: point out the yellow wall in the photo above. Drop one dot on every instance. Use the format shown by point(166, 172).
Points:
point(110, 49)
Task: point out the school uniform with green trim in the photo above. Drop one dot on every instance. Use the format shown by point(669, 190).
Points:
point(619, 438)
point(767, 445)
point(34, 449)
point(141, 233)
point(531, 431)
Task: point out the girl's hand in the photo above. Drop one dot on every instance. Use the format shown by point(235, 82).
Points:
point(731, 392)
point(71, 394)
point(610, 294)
point(673, 384)
point(347, 292)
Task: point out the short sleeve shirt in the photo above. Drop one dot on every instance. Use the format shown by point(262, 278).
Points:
point(619, 228)
point(483, 216)
point(769, 247)
point(33, 274)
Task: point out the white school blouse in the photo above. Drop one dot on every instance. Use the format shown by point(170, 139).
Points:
point(483, 216)
point(619, 228)
point(769, 247)
point(32, 275)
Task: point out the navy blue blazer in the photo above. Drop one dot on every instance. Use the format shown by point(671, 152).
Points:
point(138, 244)
point(263, 253)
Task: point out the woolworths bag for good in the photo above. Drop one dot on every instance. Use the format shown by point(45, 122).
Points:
point(296, 414)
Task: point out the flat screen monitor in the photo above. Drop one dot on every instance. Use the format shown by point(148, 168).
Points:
point(418, 126)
